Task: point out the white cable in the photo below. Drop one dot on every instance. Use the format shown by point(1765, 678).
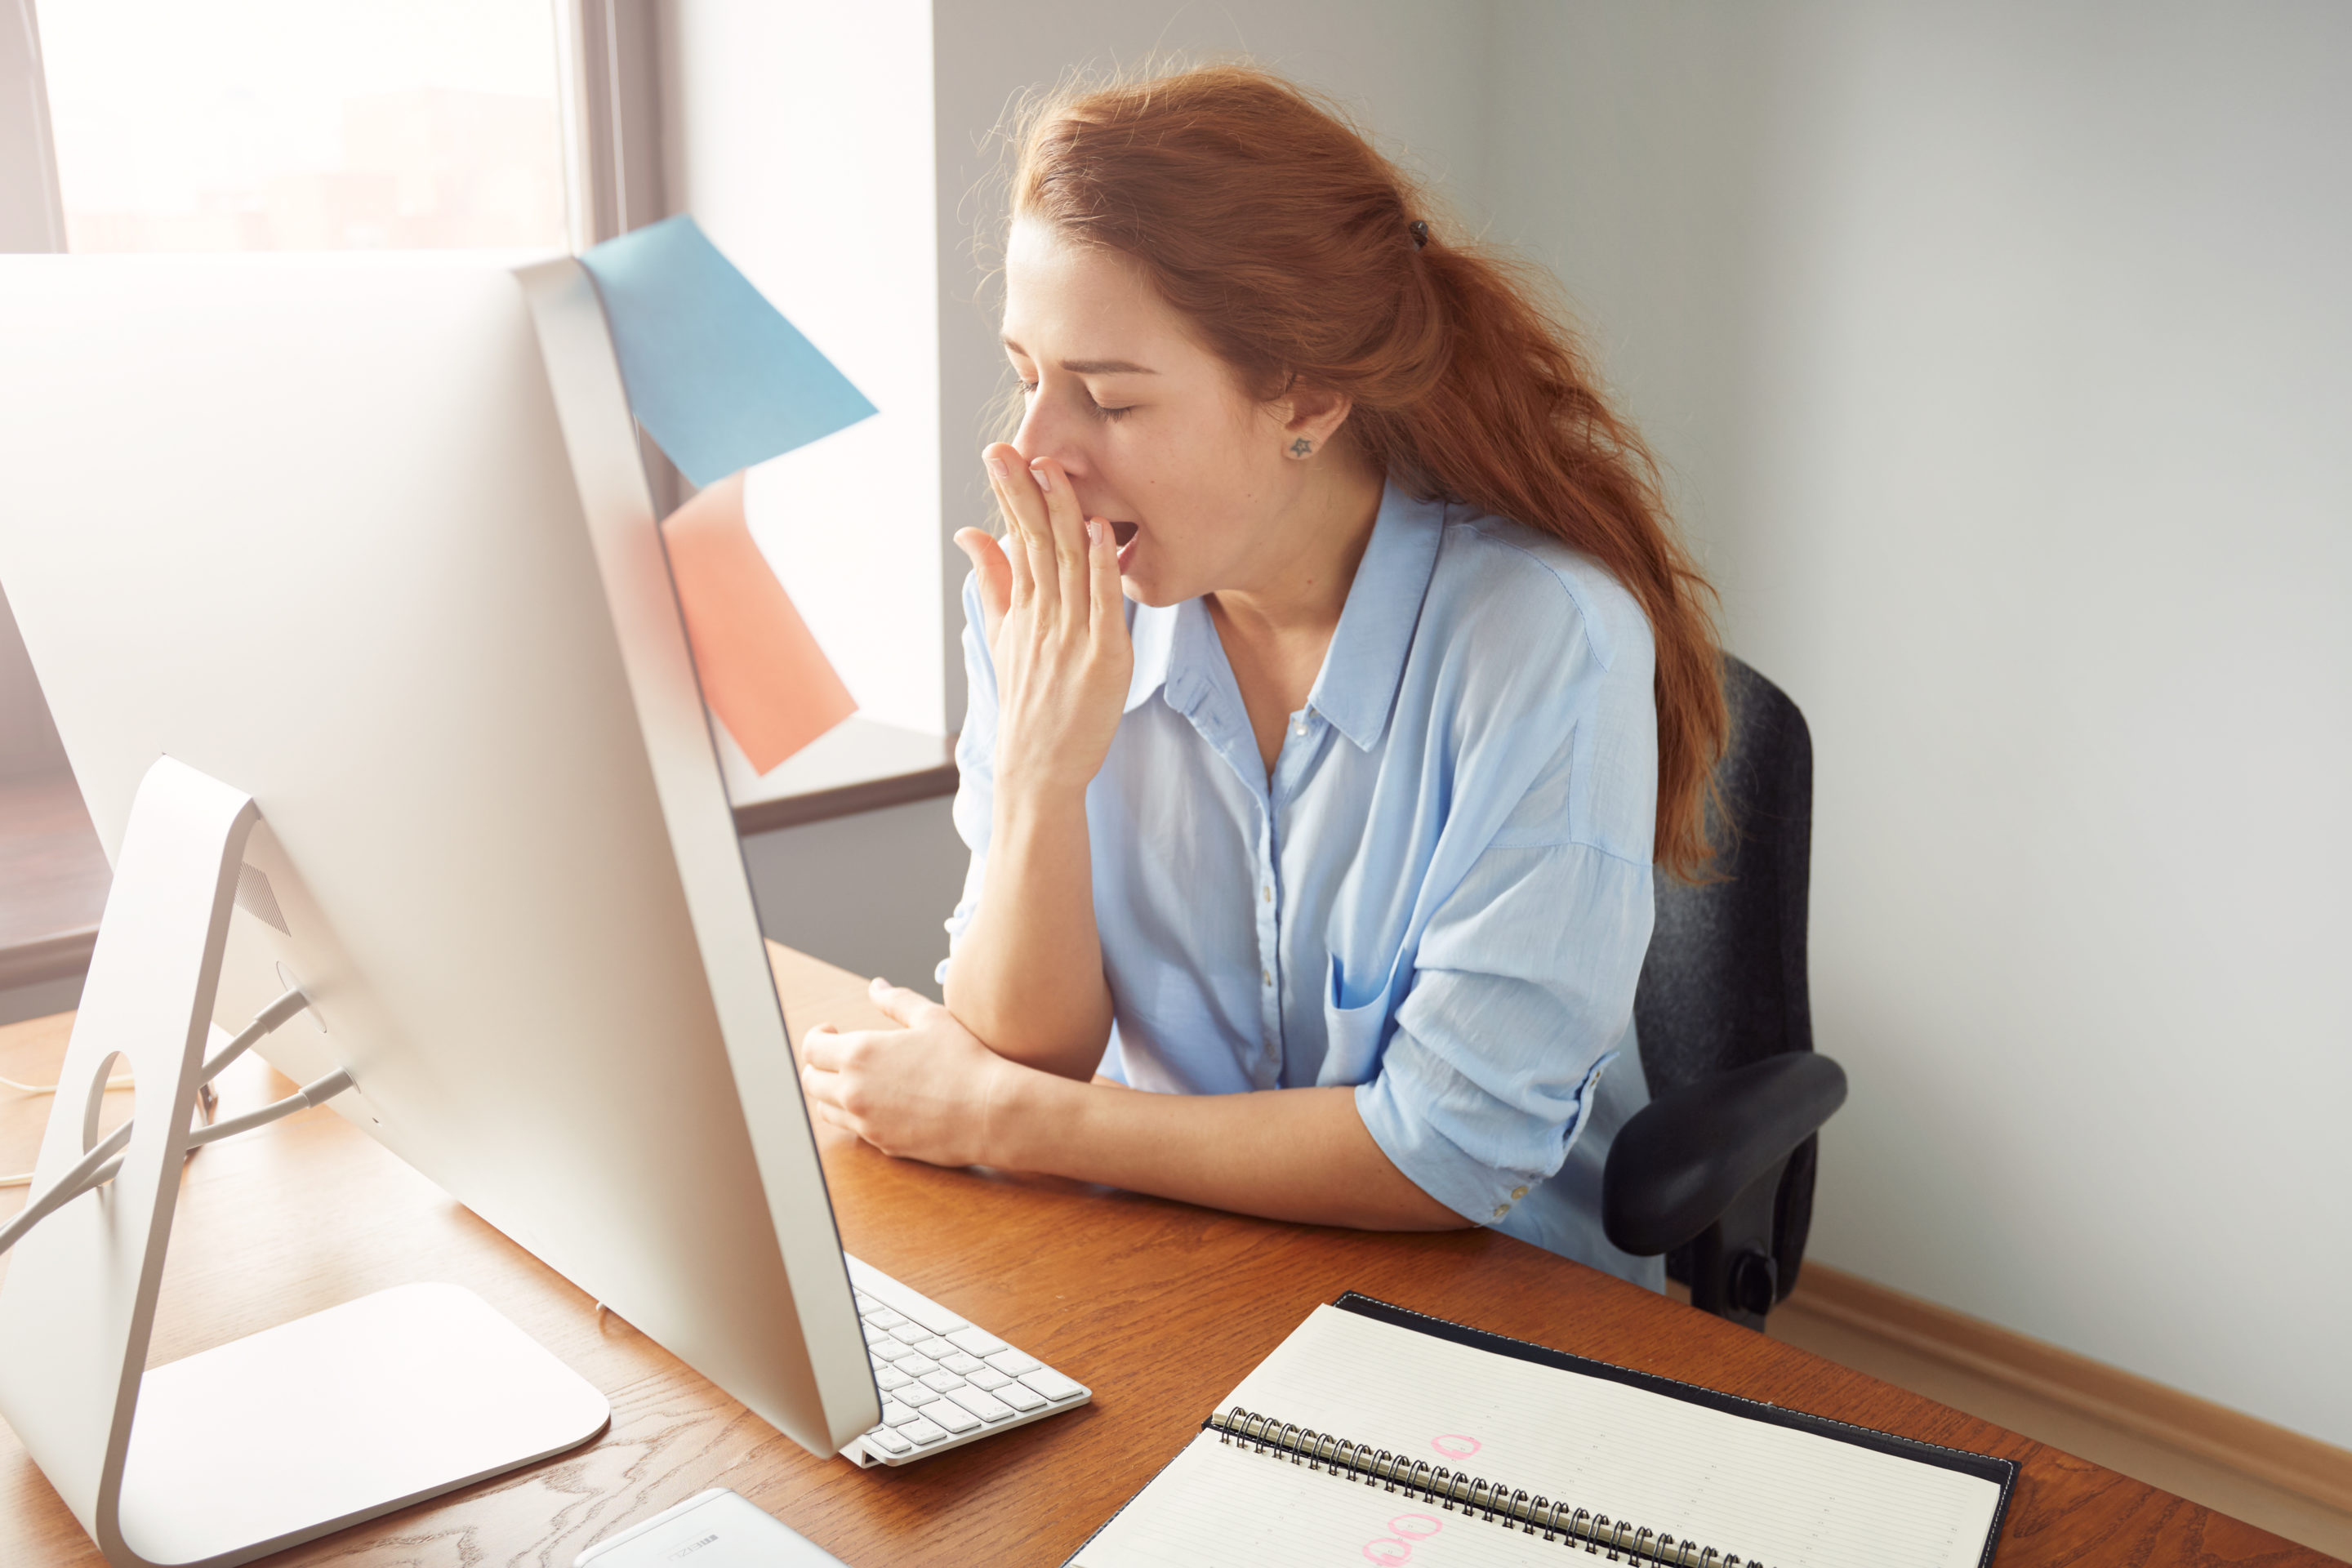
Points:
point(120, 1080)
point(263, 1023)
point(90, 1174)
point(314, 1093)
point(68, 1188)
point(98, 1167)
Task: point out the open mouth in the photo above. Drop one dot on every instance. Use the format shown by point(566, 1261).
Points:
point(1125, 534)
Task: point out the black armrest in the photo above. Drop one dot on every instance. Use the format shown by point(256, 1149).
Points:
point(1680, 1161)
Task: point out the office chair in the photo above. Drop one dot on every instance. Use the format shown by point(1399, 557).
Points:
point(1716, 1172)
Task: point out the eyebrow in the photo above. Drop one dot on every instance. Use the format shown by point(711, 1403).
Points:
point(1092, 366)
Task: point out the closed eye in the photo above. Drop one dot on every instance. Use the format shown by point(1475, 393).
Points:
point(1029, 389)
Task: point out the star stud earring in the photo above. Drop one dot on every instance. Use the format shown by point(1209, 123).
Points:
point(1301, 448)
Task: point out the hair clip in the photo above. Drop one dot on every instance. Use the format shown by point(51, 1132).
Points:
point(1419, 229)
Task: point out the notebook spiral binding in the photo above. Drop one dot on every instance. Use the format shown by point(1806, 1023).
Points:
point(1620, 1541)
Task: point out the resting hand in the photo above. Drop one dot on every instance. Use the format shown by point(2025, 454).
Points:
point(927, 1091)
point(1056, 621)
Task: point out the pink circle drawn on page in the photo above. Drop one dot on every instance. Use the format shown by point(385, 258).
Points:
point(1455, 1446)
point(1388, 1552)
point(1399, 1526)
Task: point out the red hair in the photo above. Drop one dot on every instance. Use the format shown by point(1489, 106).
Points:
point(1296, 250)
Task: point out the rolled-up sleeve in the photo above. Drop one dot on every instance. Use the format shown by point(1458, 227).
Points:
point(1522, 992)
point(975, 796)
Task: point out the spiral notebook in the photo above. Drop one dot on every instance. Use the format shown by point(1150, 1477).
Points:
point(1375, 1433)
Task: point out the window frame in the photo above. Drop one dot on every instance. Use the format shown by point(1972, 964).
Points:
point(32, 209)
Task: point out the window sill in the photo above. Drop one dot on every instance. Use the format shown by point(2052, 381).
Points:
point(857, 765)
point(55, 875)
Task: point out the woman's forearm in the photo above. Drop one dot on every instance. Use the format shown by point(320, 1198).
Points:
point(1027, 977)
point(1299, 1154)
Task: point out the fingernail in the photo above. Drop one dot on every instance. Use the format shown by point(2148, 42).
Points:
point(1044, 480)
point(996, 465)
point(877, 983)
point(1093, 531)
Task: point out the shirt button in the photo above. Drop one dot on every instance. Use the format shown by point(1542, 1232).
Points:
point(1269, 892)
point(1518, 1193)
point(1501, 1209)
point(1267, 975)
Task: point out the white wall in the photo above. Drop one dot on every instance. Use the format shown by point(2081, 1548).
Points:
point(870, 892)
point(1999, 356)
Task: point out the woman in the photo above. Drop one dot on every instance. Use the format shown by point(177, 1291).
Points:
point(1333, 690)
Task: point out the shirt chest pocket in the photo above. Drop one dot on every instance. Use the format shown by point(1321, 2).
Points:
point(1354, 1035)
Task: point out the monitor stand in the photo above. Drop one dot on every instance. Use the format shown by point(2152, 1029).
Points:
point(290, 1434)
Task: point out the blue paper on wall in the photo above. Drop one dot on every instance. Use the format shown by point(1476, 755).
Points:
point(714, 372)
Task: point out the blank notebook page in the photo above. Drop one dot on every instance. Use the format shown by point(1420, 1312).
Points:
point(1792, 1498)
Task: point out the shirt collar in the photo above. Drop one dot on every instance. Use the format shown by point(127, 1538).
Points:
point(1357, 686)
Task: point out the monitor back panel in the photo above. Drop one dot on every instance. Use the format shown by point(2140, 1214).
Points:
point(311, 525)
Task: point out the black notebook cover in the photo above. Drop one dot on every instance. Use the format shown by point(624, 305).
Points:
point(2002, 1473)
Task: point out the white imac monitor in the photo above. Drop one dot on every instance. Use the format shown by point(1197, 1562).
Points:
point(369, 540)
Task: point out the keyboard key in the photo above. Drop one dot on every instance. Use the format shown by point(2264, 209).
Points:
point(945, 1413)
point(895, 1415)
point(1013, 1363)
point(1052, 1384)
point(935, 1347)
point(889, 1442)
point(988, 1378)
point(888, 1350)
point(915, 1393)
point(866, 1303)
point(987, 1407)
point(887, 1377)
point(912, 1333)
point(915, 1365)
point(943, 1381)
point(932, 1316)
point(958, 1362)
point(883, 1317)
point(922, 1433)
point(979, 1342)
point(1018, 1397)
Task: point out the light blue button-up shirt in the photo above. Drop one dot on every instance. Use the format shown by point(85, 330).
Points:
point(1442, 895)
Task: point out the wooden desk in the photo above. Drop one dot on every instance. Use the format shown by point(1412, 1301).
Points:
point(1160, 1308)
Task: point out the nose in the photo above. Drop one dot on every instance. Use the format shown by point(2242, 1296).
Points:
point(1047, 431)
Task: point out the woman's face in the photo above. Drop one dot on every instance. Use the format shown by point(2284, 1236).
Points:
point(1154, 431)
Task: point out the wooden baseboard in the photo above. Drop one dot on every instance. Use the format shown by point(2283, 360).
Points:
point(2288, 1460)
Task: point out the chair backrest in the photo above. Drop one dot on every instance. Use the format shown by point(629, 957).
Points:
point(1724, 983)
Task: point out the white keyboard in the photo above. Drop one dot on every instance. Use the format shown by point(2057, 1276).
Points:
point(944, 1383)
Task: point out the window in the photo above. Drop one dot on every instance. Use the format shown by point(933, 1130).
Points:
point(305, 124)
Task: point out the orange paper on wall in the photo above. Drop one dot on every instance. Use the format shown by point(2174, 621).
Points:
point(762, 670)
